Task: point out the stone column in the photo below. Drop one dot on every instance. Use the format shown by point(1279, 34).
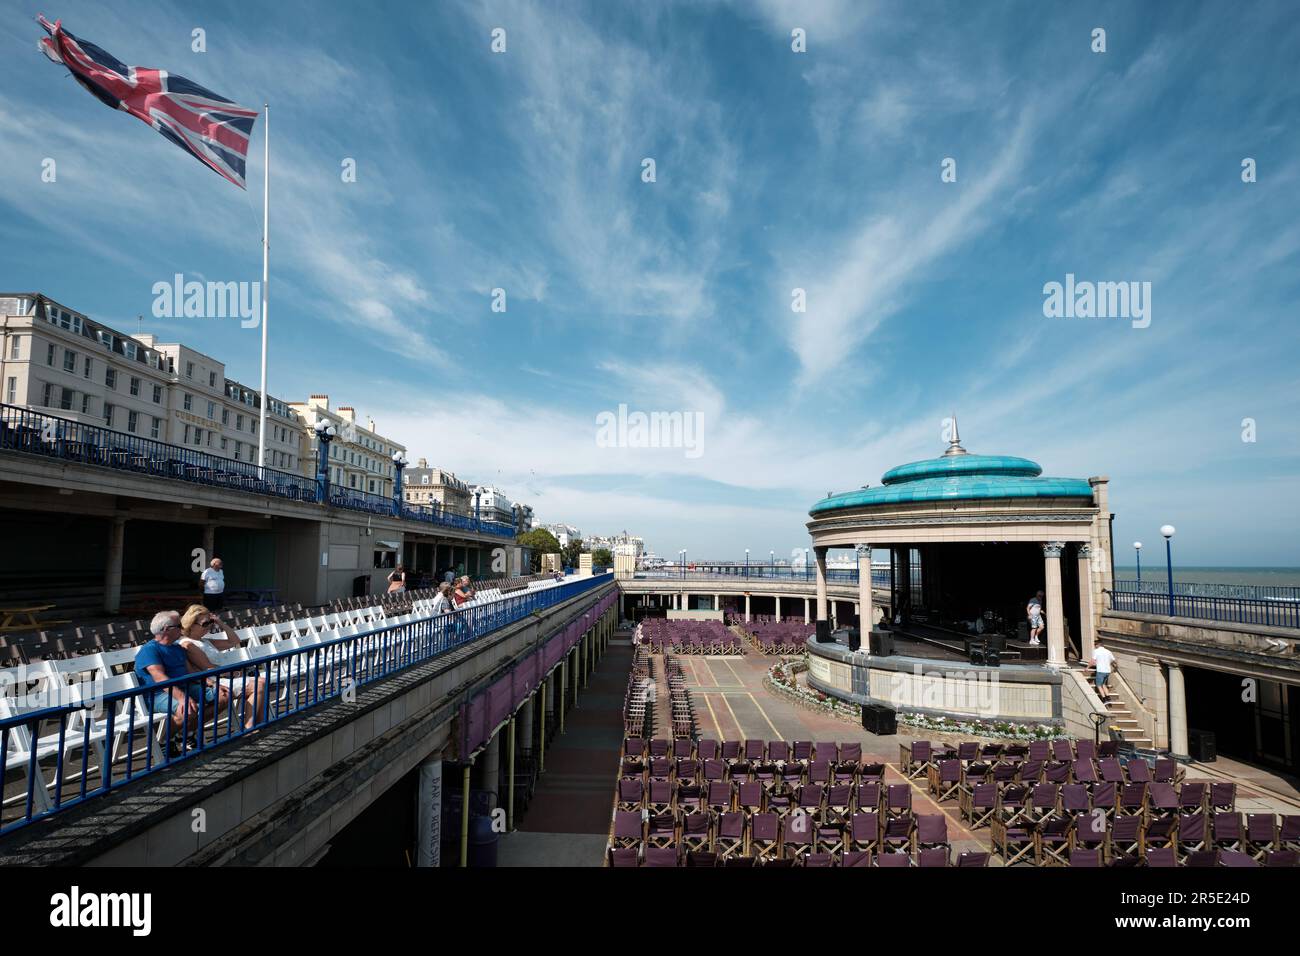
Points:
point(113, 565)
point(510, 776)
point(428, 849)
point(1055, 622)
point(1087, 625)
point(778, 607)
point(820, 558)
point(489, 764)
point(717, 602)
point(807, 611)
point(746, 608)
point(1177, 712)
point(866, 612)
point(526, 723)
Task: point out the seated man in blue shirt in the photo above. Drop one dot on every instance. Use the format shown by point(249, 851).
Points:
point(163, 659)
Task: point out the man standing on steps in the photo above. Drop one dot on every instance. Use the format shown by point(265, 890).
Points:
point(1104, 661)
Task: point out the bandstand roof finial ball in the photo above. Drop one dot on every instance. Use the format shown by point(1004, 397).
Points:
point(1167, 530)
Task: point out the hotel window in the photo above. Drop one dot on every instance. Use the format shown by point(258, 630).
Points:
point(239, 449)
point(239, 423)
point(189, 402)
point(225, 416)
point(352, 481)
point(85, 404)
point(212, 379)
point(108, 414)
point(69, 360)
point(188, 429)
point(212, 410)
point(135, 387)
point(189, 369)
point(198, 436)
point(110, 377)
point(85, 369)
point(156, 428)
point(65, 402)
point(132, 419)
point(223, 444)
point(11, 390)
point(157, 394)
point(14, 347)
point(372, 486)
point(210, 434)
point(47, 394)
point(49, 356)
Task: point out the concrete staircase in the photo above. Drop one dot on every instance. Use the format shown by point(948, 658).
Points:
point(1121, 712)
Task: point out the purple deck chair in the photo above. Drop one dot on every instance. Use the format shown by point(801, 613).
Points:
point(898, 799)
point(980, 805)
point(740, 861)
point(632, 767)
point(697, 830)
point(826, 750)
point(661, 796)
point(629, 828)
point(946, 780)
point(1192, 833)
point(864, 831)
point(766, 775)
point(634, 747)
point(914, 760)
point(662, 856)
point(631, 793)
point(1108, 748)
point(1110, 769)
point(1201, 858)
point(900, 832)
point(781, 803)
point(1090, 830)
point(1055, 838)
point(662, 830)
point(861, 858)
point(1105, 797)
point(1282, 858)
point(706, 749)
point(714, 770)
point(1086, 857)
point(811, 798)
point(893, 859)
point(1056, 771)
point(839, 799)
point(719, 796)
point(1162, 798)
point(1040, 750)
point(802, 751)
point(1004, 773)
point(975, 858)
point(731, 750)
point(1235, 858)
point(660, 747)
point(1160, 831)
point(755, 750)
point(931, 830)
point(796, 841)
point(868, 797)
point(730, 840)
point(778, 751)
point(683, 747)
point(1139, 771)
point(1061, 751)
point(1043, 798)
point(932, 856)
point(688, 770)
point(1085, 771)
point(749, 796)
point(661, 767)
point(1193, 796)
point(819, 859)
point(872, 773)
point(819, 771)
point(1166, 770)
point(1030, 772)
point(1261, 834)
point(1013, 805)
point(851, 753)
point(1133, 799)
point(1227, 831)
point(701, 858)
point(1085, 750)
point(690, 798)
point(968, 751)
point(1161, 857)
point(764, 829)
point(1288, 832)
point(1074, 799)
point(1223, 796)
point(1126, 836)
point(624, 856)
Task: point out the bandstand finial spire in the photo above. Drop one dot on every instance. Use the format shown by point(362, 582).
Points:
point(954, 443)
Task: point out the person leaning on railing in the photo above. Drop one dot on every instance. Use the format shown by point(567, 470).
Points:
point(203, 634)
point(442, 602)
point(164, 659)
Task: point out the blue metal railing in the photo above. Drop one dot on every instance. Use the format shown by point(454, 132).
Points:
point(1256, 592)
point(879, 577)
point(39, 433)
point(52, 436)
point(1270, 613)
point(122, 729)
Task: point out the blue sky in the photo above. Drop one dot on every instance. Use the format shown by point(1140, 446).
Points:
point(775, 170)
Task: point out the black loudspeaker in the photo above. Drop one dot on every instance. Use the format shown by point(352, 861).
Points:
point(993, 658)
point(1202, 745)
point(882, 644)
point(997, 643)
point(823, 632)
point(879, 720)
point(855, 638)
point(977, 654)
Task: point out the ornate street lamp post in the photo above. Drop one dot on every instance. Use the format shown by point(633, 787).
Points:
point(1168, 532)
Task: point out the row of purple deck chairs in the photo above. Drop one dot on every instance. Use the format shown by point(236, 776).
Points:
point(637, 713)
point(769, 836)
point(783, 637)
point(688, 637)
point(685, 796)
point(683, 712)
point(1196, 839)
point(753, 750)
point(948, 777)
point(915, 760)
point(675, 857)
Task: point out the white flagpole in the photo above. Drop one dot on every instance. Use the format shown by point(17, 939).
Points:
point(266, 247)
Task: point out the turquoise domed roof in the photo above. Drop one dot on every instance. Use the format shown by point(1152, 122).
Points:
point(958, 476)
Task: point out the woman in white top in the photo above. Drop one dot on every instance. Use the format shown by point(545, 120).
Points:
point(442, 600)
point(204, 636)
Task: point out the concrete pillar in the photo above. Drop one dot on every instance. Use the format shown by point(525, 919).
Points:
point(464, 815)
point(526, 722)
point(1087, 625)
point(778, 607)
point(746, 608)
point(542, 698)
point(574, 653)
point(866, 609)
point(807, 610)
point(1055, 618)
point(489, 764)
point(1177, 712)
point(510, 778)
point(561, 690)
point(819, 555)
point(428, 849)
point(209, 542)
point(717, 602)
point(113, 565)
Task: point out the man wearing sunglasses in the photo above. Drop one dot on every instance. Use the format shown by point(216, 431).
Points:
point(163, 659)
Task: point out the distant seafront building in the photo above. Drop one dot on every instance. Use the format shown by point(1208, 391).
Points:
point(564, 533)
point(360, 458)
point(435, 488)
point(59, 359)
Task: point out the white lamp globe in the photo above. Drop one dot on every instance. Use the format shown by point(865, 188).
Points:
point(1137, 545)
point(1167, 530)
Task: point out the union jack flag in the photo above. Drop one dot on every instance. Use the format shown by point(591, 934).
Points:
point(211, 127)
